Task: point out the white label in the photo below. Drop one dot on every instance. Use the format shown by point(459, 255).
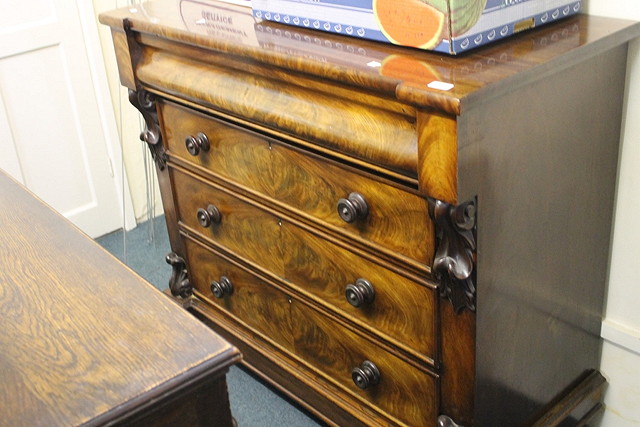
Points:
point(440, 85)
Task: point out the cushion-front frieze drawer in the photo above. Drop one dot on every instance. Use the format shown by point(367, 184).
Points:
point(383, 301)
point(402, 389)
point(383, 214)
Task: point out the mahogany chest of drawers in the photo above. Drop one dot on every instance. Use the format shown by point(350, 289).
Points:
point(391, 237)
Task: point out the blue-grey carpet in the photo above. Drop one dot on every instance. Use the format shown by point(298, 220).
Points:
point(253, 403)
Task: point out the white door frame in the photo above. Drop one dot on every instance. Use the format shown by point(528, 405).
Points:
point(101, 88)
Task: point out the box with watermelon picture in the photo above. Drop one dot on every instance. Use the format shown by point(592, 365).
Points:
point(450, 26)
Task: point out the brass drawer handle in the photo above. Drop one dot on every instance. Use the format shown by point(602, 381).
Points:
point(353, 207)
point(196, 143)
point(360, 293)
point(208, 216)
point(222, 288)
point(366, 375)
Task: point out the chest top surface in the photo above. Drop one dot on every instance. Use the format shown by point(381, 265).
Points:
point(415, 77)
point(82, 338)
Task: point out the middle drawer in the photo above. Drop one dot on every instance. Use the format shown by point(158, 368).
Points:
point(380, 300)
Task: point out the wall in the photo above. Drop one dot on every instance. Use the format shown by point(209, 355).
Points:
point(621, 327)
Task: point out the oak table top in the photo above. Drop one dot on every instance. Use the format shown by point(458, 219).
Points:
point(83, 339)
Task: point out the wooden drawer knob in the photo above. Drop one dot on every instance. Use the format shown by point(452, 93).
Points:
point(360, 293)
point(365, 375)
point(222, 288)
point(196, 143)
point(208, 216)
point(352, 208)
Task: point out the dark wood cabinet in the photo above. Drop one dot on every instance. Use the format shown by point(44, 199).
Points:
point(390, 236)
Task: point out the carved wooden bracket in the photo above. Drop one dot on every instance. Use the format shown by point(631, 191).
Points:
point(179, 282)
point(145, 102)
point(454, 264)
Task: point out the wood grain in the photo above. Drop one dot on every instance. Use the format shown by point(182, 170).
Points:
point(343, 91)
point(332, 349)
point(123, 57)
point(475, 76)
point(438, 156)
point(253, 302)
point(82, 337)
point(405, 392)
point(397, 220)
point(291, 376)
point(346, 125)
point(243, 229)
point(403, 311)
point(242, 157)
point(458, 331)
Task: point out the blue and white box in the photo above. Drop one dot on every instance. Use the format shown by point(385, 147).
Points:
point(449, 26)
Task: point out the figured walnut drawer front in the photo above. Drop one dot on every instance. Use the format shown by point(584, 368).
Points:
point(397, 220)
point(400, 389)
point(241, 228)
point(251, 300)
point(381, 300)
point(362, 290)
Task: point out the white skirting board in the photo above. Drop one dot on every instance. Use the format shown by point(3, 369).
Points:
point(621, 335)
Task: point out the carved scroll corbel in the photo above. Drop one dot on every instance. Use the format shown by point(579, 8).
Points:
point(454, 264)
point(179, 282)
point(145, 102)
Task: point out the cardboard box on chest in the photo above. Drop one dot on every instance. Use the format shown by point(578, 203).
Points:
point(449, 26)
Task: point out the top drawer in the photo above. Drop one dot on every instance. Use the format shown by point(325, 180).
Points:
point(315, 188)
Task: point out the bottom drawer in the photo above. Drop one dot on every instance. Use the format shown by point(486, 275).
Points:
point(390, 383)
point(404, 390)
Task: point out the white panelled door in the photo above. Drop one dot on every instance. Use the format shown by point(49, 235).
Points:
point(55, 134)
